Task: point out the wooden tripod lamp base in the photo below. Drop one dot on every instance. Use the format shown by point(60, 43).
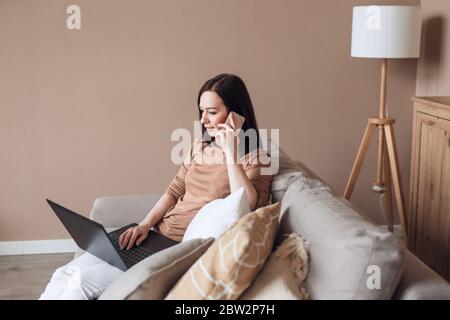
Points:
point(388, 166)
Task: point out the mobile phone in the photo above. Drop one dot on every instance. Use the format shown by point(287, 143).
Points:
point(235, 120)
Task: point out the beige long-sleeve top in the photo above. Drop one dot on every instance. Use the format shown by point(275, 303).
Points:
point(203, 177)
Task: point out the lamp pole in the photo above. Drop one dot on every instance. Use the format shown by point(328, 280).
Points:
point(380, 185)
point(382, 115)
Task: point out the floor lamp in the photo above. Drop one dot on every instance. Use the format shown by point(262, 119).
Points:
point(384, 32)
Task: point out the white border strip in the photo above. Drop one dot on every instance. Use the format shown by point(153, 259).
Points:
point(37, 247)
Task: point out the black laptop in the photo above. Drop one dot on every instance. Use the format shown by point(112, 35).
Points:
point(93, 238)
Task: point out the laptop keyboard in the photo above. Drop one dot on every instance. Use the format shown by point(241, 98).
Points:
point(132, 256)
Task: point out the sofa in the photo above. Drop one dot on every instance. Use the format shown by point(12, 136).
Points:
point(345, 245)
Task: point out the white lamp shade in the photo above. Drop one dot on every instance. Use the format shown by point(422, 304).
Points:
point(389, 32)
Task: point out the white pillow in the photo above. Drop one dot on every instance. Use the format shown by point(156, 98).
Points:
point(217, 216)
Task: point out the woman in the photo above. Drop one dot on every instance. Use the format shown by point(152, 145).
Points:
point(196, 184)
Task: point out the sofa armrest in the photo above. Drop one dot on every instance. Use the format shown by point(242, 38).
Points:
point(118, 211)
point(419, 282)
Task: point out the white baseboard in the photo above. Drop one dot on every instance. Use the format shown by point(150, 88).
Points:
point(37, 247)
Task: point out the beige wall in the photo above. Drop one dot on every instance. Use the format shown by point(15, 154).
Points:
point(433, 73)
point(89, 113)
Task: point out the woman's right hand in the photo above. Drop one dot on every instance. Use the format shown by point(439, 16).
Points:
point(134, 234)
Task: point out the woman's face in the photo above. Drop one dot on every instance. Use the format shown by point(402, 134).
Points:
point(213, 111)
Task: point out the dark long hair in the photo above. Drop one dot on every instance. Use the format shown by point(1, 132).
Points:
point(236, 98)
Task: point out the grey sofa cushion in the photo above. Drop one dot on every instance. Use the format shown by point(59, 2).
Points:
point(152, 278)
point(118, 211)
point(289, 171)
point(282, 181)
point(345, 246)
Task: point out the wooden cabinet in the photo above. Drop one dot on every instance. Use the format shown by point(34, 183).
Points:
point(429, 205)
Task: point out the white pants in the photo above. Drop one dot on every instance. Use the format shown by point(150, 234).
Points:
point(84, 278)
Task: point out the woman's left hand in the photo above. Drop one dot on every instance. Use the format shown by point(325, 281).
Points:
point(227, 139)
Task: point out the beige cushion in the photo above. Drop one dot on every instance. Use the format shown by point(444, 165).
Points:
point(229, 266)
point(283, 275)
point(153, 277)
point(347, 250)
